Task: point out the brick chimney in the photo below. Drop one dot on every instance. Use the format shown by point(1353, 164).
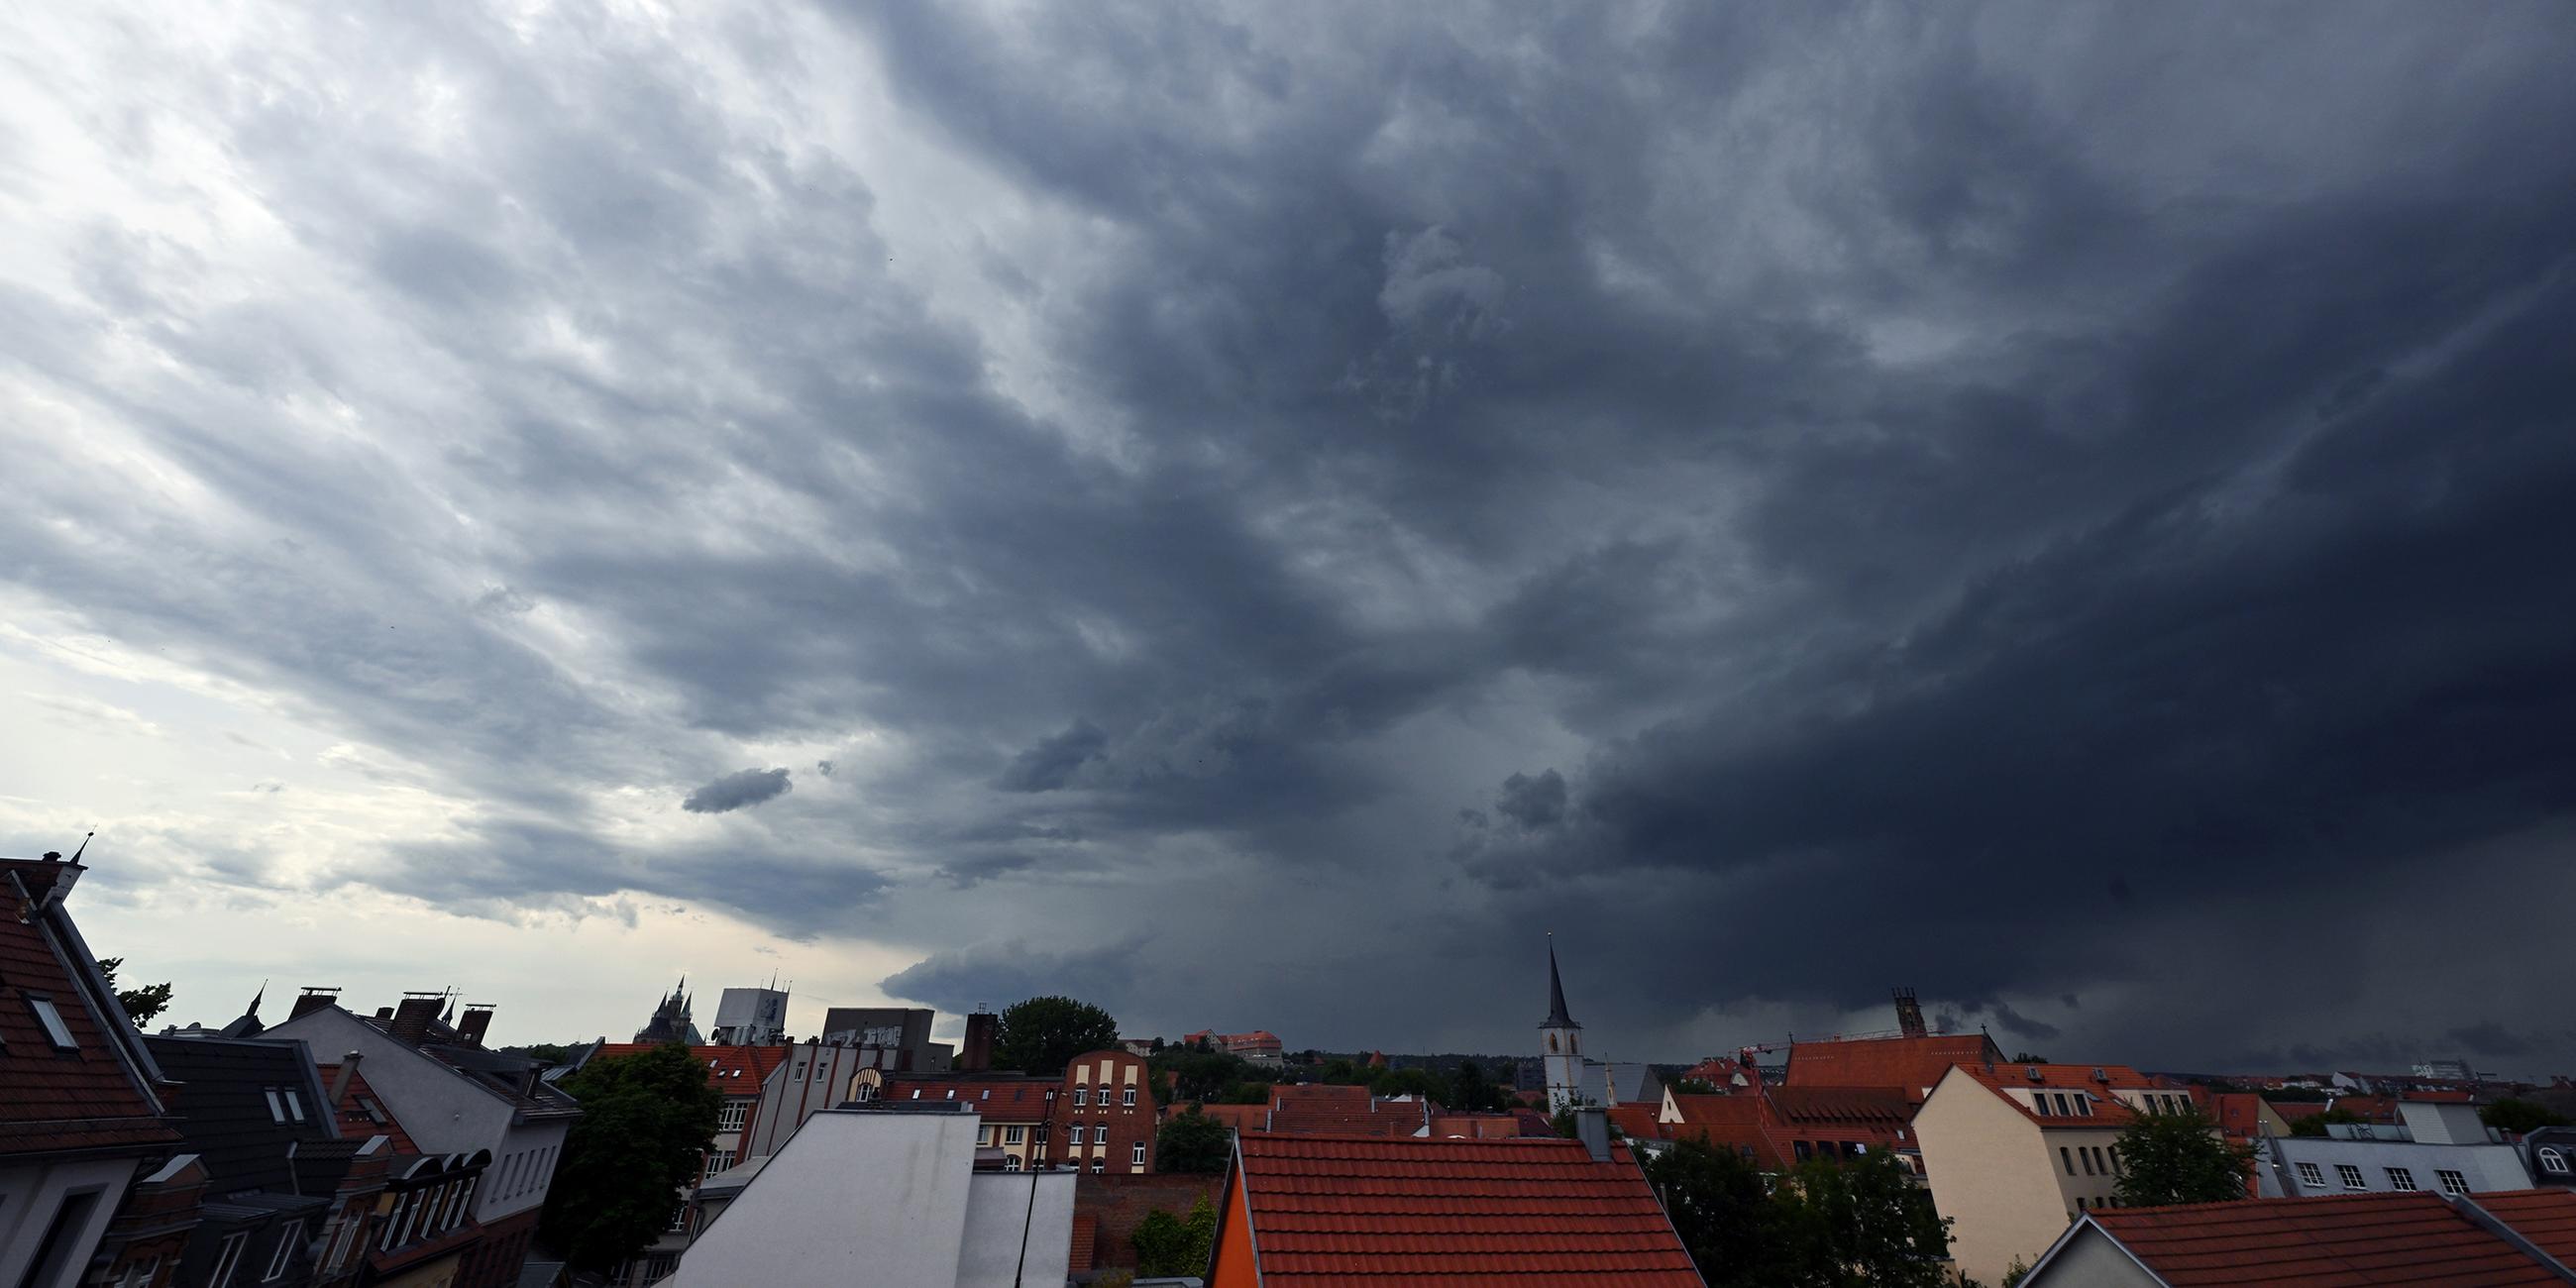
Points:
point(412, 1018)
point(476, 1021)
point(340, 1080)
point(313, 999)
point(975, 1055)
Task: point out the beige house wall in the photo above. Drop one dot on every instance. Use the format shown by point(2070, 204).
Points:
point(1994, 1176)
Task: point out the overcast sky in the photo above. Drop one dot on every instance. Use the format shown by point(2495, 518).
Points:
point(1253, 515)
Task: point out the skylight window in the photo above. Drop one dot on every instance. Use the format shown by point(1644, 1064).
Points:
point(51, 1021)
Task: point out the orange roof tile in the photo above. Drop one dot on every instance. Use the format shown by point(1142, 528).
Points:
point(2546, 1217)
point(1340, 1212)
point(733, 1070)
point(84, 1098)
point(2339, 1241)
point(355, 1120)
point(1913, 1064)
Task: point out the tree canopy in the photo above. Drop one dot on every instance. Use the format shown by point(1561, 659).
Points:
point(646, 1120)
point(2316, 1124)
point(1190, 1141)
point(1173, 1245)
point(1846, 1224)
point(1043, 1034)
point(142, 1005)
point(2519, 1116)
point(2179, 1158)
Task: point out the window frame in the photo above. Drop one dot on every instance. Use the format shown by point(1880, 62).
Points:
point(2311, 1174)
point(49, 1019)
point(2351, 1176)
point(282, 1260)
point(2401, 1179)
point(228, 1259)
point(2553, 1160)
point(2454, 1182)
point(1136, 1155)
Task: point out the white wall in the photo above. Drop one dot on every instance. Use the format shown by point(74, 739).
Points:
point(2091, 1260)
point(864, 1197)
point(29, 1197)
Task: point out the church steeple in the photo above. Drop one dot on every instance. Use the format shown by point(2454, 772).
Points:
point(1563, 1059)
point(1556, 1016)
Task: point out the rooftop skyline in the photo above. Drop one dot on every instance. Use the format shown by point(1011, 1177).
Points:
point(1253, 515)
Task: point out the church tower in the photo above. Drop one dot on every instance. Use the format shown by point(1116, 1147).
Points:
point(1564, 1042)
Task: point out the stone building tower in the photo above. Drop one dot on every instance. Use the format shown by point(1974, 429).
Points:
point(1563, 1059)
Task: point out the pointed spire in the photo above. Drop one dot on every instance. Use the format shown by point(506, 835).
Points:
point(253, 1009)
point(1556, 1016)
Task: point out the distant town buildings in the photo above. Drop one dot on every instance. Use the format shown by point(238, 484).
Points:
point(750, 1017)
point(1261, 1046)
point(670, 1022)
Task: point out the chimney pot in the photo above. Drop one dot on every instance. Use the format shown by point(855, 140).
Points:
point(340, 1080)
point(1592, 1127)
point(413, 1016)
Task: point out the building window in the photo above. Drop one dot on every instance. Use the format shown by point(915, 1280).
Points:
point(276, 1107)
point(51, 1021)
point(1805, 1151)
point(983, 1136)
point(2309, 1175)
point(2400, 1179)
point(719, 1160)
point(1081, 1096)
point(1011, 1135)
point(228, 1260)
point(1077, 1133)
point(731, 1117)
point(797, 1073)
point(1099, 1166)
point(2083, 1105)
point(2553, 1160)
point(141, 1273)
point(1010, 1162)
point(1136, 1154)
point(2067, 1157)
point(2452, 1182)
point(285, 1254)
point(1127, 1097)
point(2087, 1154)
point(2351, 1177)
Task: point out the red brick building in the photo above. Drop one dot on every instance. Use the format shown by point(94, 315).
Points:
point(1100, 1115)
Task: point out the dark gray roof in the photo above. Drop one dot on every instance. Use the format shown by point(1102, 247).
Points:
point(1556, 1016)
point(498, 1072)
point(222, 1107)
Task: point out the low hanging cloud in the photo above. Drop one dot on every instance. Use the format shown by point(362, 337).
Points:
point(737, 791)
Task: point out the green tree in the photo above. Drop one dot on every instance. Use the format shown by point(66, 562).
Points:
point(2179, 1158)
point(1172, 1245)
point(1190, 1141)
point(1198, 1074)
point(645, 1123)
point(2521, 1116)
point(1735, 1232)
point(1340, 1072)
point(1043, 1034)
point(1410, 1082)
point(1694, 1087)
point(1869, 1225)
point(141, 1005)
point(1471, 1092)
point(2316, 1124)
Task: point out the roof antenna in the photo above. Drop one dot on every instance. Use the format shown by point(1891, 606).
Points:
point(84, 846)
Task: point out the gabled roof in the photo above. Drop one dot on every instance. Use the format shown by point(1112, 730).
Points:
point(2339, 1241)
point(1875, 1106)
point(1338, 1212)
point(363, 1113)
point(223, 1105)
point(733, 1070)
point(994, 1095)
point(92, 1097)
point(1913, 1064)
point(2108, 1111)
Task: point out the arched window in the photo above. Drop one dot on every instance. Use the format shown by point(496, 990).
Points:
point(1551, 1044)
point(2553, 1160)
point(1010, 1162)
point(1127, 1097)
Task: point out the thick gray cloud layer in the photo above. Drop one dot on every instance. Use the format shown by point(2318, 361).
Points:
point(1257, 512)
point(736, 790)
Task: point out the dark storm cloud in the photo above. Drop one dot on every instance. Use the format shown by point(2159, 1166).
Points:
point(2035, 504)
point(736, 790)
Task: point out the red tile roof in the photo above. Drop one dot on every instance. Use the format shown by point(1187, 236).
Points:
point(85, 1098)
point(733, 1070)
point(2108, 1111)
point(2330, 1242)
point(1913, 1064)
point(1339, 1212)
point(2546, 1217)
point(355, 1121)
point(1009, 1097)
point(1238, 1117)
